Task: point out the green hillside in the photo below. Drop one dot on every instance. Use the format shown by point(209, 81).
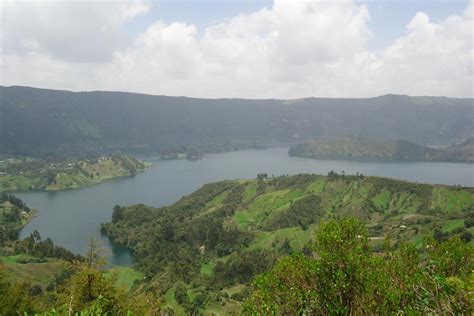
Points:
point(383, 150)
point(39, 277)
point(40, 121)
point(270, 246)
point(14, 215)
point(205, 249)
point(54, 174)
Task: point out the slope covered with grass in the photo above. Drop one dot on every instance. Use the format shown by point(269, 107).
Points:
point(51, 175)
point(224, 234)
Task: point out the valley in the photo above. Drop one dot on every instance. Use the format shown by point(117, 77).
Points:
point(143, 210)
point(210, 158)
point(198, 253)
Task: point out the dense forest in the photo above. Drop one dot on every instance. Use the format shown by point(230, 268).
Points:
point(203, 252)
point(382, 150)
point(64, 173)
point(38, 121)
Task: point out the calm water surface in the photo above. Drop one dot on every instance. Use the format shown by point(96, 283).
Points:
point(70, 217)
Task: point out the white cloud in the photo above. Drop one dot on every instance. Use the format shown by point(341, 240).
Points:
point(434, 59)
point(76, 31)
point(293, 49)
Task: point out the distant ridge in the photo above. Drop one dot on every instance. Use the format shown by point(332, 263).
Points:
point(388, 95)
point(40, 121)
point(382, 150)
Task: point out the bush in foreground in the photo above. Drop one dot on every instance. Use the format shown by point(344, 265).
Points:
point(345, 277)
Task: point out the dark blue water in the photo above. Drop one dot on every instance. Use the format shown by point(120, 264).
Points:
point(71, 217)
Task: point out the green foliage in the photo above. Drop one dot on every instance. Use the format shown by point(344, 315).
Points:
point(35, 246)
point(225, 233)
point(14, 214)
point(286, 290)
point(242, 267)
point(450, 258)
point(466, 236)
point(195, 255)
point(303, 212)
point(469, 222)
point(346, 278)
point(36, 285)
point(13, 297)
point(63, 173)
point(91, 289)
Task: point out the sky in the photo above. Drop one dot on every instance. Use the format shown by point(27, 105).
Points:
point(282, 49)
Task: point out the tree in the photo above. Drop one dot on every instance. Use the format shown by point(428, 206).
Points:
point(89, 287)
point(344, 258)
point(469, 222)
point(14, 297)
point(181, 295)
point(286, 247)
point(438, 235)
point(117, 214)
point(466, 236)
point(347, 278)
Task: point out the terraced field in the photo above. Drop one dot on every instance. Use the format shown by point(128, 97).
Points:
point(215, 229)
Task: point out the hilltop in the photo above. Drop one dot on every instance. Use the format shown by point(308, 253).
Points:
point(205, 249)
point(37, 122)
point(382, 150)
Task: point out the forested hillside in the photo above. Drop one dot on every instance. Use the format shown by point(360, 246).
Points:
point(202, 252)
point(381, 150)
point(37, 121)
point(39, 277)
point(14, 214)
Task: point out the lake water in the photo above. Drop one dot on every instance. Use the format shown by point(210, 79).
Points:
point(70, 217)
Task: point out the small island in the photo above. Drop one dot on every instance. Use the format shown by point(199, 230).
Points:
point(351, 148)
point(58, 174)
point(195, 152)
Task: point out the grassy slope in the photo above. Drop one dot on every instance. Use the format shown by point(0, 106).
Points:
point(400, 210)
point(126, 276)
point(40, 273)
point(23, 268)
point(82, 174)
